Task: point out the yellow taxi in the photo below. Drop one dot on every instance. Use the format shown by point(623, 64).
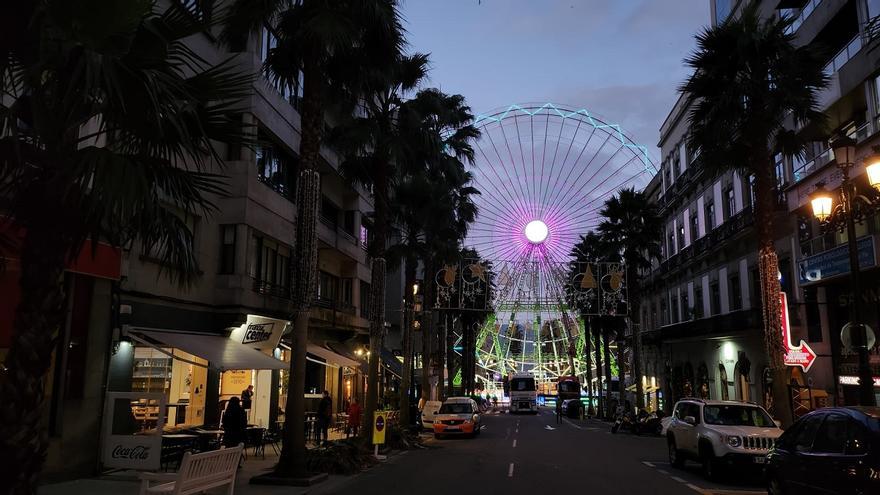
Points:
point(457, 416)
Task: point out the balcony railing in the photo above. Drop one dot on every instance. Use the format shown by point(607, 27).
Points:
point(341, 306)
point(803, 15)
point(733, 226)
point(816, 163)
point(872, 29)
point(271, 289)
point(844, 55)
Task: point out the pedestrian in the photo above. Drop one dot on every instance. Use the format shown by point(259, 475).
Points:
point(234, 423)
point(247, 397)
point(354, 417)
point(325, 414)
point(558, 411)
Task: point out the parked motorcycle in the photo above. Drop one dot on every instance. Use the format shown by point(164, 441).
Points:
point(625, 421)
point(648, 424)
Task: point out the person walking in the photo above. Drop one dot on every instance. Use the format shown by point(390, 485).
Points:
point(558, 411)
point(233, 423)
point(325, 414)
point(354, 417)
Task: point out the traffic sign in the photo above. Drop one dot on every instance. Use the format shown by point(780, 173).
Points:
point(379, 421)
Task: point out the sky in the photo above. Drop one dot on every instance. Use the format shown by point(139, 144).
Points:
point(619, 59)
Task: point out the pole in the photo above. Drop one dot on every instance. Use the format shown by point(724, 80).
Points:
point(859, 337)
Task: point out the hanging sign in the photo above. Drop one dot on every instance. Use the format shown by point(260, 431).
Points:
point(800, 355)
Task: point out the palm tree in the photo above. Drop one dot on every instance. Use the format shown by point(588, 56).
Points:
point(632, 225)
point(325, 45)
point(109, 124)
point(749, 79)
point(376, 146)
point(587, 251)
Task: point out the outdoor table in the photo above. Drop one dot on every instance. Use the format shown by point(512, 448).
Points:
point(174, 445)
point(209, 439)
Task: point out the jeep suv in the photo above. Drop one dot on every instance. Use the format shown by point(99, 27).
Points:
point(720, 433)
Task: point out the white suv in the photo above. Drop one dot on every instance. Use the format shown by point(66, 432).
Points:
point(720, 433)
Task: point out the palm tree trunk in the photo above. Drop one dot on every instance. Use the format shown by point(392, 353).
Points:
point(768, 269)
point(38, 318)
point(442, 324)
point(450, 356)
point(621, 365)
point(292, 461)
point(632, 280)
point(406, 381)
point(588, 361)
point(598, 346)
point(607, 355)
point(427, 329)
point(377, 290)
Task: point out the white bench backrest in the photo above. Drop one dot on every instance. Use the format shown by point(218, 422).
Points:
point(199, 472)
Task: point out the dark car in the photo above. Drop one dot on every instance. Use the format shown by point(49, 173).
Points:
point(831, 450)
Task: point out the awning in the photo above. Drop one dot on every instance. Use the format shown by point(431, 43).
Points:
point(331, 357)
point(222, 353)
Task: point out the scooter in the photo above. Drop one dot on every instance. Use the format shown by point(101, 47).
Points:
point(648, 424)
point(625, 421)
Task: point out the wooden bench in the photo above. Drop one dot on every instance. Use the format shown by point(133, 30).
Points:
point(198, 472)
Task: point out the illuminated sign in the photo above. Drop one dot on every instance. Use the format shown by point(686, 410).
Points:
point(800, 355)
point(835, 261)
point(257, 332)
point(854, 380)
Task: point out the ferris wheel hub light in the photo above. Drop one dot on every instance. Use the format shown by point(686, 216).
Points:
point(536, 231)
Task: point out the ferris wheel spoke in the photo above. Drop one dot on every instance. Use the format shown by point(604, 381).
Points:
point(556, 198)
point(513, 198)
point(564, 197)
point(525, 174)
point(617, 187)
point(541, 184)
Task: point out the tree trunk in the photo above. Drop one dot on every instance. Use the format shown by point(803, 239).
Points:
point(601, 399)
point(441, 354)
point(377, 288)
point(406, 381)
point(292, 461)
point(588, 362)
point(427, 329)
point(607, 357)
point(632, 280)
point(768, 269)
point(38, 318)
point(621, 366)
point(450, 356)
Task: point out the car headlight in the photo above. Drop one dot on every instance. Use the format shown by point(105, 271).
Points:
point(734, 441)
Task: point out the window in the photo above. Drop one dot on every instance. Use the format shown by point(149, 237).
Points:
point(698, 301)
point(289, 90)
point(365, 236)
point(722, 10)
point(270, 263)
point(349, 222)
point(227, 249)
point(814, 323)
point(710, 216)
point(735, 292)
point(674, 310)
point(671, 244)
point(715, 302)
point(329, 212)
point(685, 308)
point(831, 436)
point(346, 292)
point(681, 243)
point(365, 299)
point(328, 287)
point(737, 416)
point(752, 191)
point(676, 164)
point(779, 167)
point(276, 167)
point(695, 227)
point(803, 439)
point(667, 174)
point(730, 200)
point(873, 9)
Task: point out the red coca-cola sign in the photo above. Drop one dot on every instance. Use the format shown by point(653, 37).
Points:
point(141, 452)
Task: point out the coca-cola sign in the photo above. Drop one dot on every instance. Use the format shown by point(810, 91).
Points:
point(141, 452)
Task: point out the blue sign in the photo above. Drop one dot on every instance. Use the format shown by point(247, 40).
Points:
point(835, 261)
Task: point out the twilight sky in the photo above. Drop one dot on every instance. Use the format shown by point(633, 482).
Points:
point(621, 59)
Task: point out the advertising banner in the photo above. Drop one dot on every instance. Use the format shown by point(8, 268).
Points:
point(133, 423)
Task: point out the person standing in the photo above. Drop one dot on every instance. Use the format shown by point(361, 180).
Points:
point(234, 423)
point(325, 414)
point(558, 411)
point(354, 417)
point(247, 397)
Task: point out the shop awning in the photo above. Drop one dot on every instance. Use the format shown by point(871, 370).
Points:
point(222, 353)
point(331, 357)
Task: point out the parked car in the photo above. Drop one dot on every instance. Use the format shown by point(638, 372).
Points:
point(571, 408)
point(429, 410)
point(830, 450)
point(457, 416)
point(720, 434)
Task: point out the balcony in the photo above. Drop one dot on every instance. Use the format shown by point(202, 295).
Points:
point(803, 15)
point(271, 289)
point(733, 227)
point(733, 322)
point(844, 55)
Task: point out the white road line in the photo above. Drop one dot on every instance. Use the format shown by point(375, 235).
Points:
point(663, 472)
point(649, 464)
point(514, 443)
point(676, 478)
point(510, 471)
point(699, 490)
point(572, 424)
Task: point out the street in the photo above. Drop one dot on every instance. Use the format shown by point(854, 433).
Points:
point(521, 454)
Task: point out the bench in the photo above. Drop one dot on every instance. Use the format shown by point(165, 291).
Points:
point(198, 472)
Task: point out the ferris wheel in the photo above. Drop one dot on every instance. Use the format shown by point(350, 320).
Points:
point(544, 172)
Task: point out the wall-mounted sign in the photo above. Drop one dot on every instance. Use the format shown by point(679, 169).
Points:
point(800, 355)
point(257, 332)
point(835, 261)
point(260, 332)
point(854, 380)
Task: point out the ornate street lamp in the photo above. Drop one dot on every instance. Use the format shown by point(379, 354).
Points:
point(851, 207)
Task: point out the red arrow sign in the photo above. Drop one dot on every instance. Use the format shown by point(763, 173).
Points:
point(800, 355)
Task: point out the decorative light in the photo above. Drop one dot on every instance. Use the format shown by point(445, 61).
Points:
point(821, 202)
point(536, 231)
point(872, 166)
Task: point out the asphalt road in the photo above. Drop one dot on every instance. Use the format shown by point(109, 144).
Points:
point(527, 454)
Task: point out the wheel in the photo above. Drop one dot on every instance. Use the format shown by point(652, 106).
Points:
point(710, 465)
point(675, 458)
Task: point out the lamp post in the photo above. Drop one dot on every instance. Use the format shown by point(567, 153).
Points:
point(851, 207)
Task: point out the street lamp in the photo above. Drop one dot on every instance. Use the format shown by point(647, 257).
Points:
point(850, 208)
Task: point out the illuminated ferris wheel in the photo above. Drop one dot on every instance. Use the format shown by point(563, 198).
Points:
point(544, 172)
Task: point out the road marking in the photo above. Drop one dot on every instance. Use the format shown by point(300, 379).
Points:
point(572, 424)
point(510, 471)
point(663, 472)
point(649, 464)
point(676, 478)
point(548, 427)
point(700, 490)
point(514, 443)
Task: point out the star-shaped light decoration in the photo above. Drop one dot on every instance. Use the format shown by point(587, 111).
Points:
point(478, 271)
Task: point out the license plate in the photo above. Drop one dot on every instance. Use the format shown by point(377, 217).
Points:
point(760, 460)
point(451, 428)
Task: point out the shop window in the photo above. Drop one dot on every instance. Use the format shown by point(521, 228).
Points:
point(735, 292)
point(227, 249)
point(182, 382)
